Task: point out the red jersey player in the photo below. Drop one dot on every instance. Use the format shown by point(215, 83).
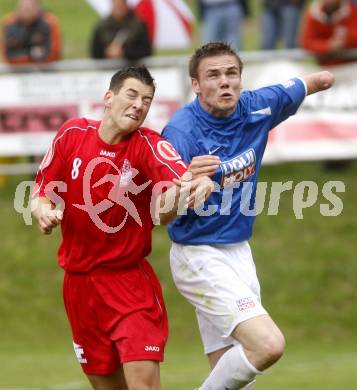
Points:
point(110, 179)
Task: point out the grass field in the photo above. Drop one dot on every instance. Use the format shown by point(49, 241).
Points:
point(313, 368)
point(307, 270)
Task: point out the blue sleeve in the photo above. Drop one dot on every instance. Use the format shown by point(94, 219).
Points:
point(181, 141)
point(282, 99)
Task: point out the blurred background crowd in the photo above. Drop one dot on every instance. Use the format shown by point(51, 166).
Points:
point(32, 33)
point(131, 30)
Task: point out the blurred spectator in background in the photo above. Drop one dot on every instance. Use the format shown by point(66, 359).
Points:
point(281, 20)
point(246, 8)
point(221, 21)
point(30, 35)
point(330, 26)
point(121, 35)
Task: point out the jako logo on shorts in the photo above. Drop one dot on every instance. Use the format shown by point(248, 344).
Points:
point(152, 348)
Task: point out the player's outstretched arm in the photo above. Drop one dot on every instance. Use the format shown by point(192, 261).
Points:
point(319, 81)
point(46, 214)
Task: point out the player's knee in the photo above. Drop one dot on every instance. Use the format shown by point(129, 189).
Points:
point(142, 385)
point(272, 349)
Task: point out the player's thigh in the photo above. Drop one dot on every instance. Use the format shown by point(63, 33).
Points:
point(114, 381)
point(258, 332)
point(142, 375)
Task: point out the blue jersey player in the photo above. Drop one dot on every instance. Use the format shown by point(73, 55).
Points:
point(223, 133)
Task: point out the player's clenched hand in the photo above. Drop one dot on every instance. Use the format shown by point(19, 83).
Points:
point(49, 219)
point(319, 81)
point(202, 188)
point(195, 192)
point(204, 165)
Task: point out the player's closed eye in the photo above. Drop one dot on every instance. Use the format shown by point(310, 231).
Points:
point(212, 75)
point(147, 101)
point(131, 95)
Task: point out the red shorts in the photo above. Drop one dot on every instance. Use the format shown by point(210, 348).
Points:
point(116, 316)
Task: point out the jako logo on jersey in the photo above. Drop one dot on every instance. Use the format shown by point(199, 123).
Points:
point(152, 348)
point(245, 303)
point(106, 153)
point(239, 168)
point(78, 350)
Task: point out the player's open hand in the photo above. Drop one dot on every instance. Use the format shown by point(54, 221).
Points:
point(204, 165)
point(49, 219)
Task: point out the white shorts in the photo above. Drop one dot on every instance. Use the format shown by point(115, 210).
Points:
point(220, 281)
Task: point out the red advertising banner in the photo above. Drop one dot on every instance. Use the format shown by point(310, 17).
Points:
point(37, 118)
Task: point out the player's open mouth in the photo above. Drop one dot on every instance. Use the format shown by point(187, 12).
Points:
point(133, 117)
point(226, 96)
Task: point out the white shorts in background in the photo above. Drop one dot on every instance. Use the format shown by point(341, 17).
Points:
point(220, 281)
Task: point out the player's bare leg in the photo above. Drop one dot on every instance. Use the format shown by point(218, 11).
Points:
point(261, 345)
point(114, 381)
point(262, 341)
point(142, 375)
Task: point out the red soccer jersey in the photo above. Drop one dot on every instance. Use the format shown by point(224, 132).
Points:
point(319, 30)
point(107, 191)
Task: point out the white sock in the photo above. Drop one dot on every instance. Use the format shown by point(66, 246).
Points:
point(233, 371)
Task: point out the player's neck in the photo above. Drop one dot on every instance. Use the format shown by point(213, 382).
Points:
point(111, 135)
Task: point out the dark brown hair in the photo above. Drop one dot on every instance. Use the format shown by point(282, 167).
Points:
point(210, 50)
point(140, 73)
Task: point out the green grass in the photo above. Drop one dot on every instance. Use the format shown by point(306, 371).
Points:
point(309, 265)
point(307, 270)
point(312, 367)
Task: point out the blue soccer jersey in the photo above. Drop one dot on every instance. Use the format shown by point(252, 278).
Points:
point(239, 140)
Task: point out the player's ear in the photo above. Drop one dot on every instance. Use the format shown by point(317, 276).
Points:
point(108, 97)
point(196, 86)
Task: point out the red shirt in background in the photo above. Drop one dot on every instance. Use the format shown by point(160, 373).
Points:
point(319, 29)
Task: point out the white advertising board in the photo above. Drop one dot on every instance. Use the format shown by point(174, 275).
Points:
point(34, 105)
